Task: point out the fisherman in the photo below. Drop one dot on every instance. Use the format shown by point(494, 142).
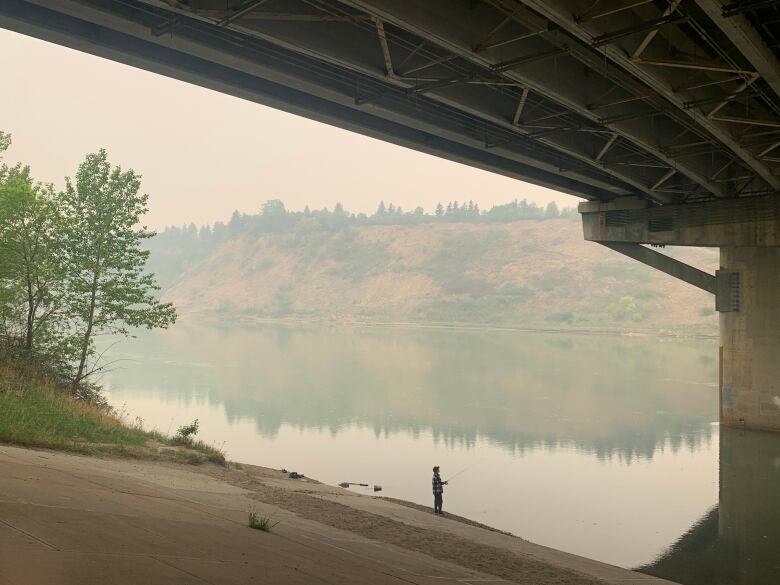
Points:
point(438, 491)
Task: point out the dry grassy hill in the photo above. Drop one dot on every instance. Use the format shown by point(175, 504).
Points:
point(526, 273)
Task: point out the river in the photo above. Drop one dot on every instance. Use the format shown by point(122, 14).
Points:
point(603, 446)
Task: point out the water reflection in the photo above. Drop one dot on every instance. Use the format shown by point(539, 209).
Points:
point(737, 542)
point(609, 396)
point(604, 446)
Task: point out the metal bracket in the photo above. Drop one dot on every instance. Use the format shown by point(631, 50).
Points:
point(727, 291)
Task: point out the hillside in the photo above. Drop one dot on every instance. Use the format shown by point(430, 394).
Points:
point(532, 273)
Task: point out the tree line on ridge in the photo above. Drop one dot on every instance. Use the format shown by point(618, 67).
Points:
point(275, 217)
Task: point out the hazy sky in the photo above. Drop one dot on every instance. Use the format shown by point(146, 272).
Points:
point(203, 154)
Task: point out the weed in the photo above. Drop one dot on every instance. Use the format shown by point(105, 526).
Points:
point(260, 522)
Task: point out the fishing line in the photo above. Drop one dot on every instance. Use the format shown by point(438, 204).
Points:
point(465, 469)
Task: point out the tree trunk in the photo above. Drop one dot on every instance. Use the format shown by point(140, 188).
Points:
point(31, 307)
point(88, 332)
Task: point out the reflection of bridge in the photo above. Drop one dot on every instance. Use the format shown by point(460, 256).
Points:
point(735, 543)
point(664, 114)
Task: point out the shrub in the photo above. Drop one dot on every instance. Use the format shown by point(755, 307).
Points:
point(627, 309)
point(187, 431)
point(564, 317)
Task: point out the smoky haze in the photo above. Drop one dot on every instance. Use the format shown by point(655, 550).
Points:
point(203, 154)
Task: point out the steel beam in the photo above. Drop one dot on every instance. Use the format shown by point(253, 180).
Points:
point(671, 266)
point(700, 66)
point(651, 35)
point(586, 16)
point(380, 31)
point(421, 19)
point(520, 106)
point(739, 31)
point(606, 147)
point(242, 10)
point(735, 8)
point(556, 12)
point(570, 149)
point(652, 26)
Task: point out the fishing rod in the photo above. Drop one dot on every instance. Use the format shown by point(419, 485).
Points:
point(465, 469)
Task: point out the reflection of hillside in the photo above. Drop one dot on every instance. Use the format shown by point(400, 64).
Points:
point(606, 395)
point(738, 542)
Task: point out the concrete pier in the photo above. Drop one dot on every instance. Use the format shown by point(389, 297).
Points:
point(750, 341)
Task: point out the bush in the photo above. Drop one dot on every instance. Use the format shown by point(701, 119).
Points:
point(564, 317)
point(187, 431)
point(626, 309)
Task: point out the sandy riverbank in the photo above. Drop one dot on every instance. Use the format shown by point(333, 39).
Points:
point(69, 519)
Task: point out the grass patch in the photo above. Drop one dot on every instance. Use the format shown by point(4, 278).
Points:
point(36, 413)
point(623, 271)
point(260, 522)
point(33, 413)
point(450, 266)
point(356, 260)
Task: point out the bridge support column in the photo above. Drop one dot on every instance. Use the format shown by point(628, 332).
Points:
point(747, 286)
point(750, 340)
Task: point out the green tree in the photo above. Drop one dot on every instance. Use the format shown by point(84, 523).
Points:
point(439, 210)
point(627, 309)
point(107, 288)
point(30, 272)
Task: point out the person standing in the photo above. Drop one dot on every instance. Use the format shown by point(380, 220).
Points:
point(438, 491)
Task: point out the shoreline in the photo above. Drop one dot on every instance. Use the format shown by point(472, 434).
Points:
point(214, 320)
point(379, 536)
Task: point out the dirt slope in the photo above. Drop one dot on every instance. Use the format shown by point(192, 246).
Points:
point(526, 273)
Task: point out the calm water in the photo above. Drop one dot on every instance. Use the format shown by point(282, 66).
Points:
point(603, 446)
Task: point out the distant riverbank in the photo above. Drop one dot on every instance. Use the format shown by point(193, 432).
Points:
point(524, 275)
point(211, 319)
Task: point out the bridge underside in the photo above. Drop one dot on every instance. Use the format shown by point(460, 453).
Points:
point(663, 114)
